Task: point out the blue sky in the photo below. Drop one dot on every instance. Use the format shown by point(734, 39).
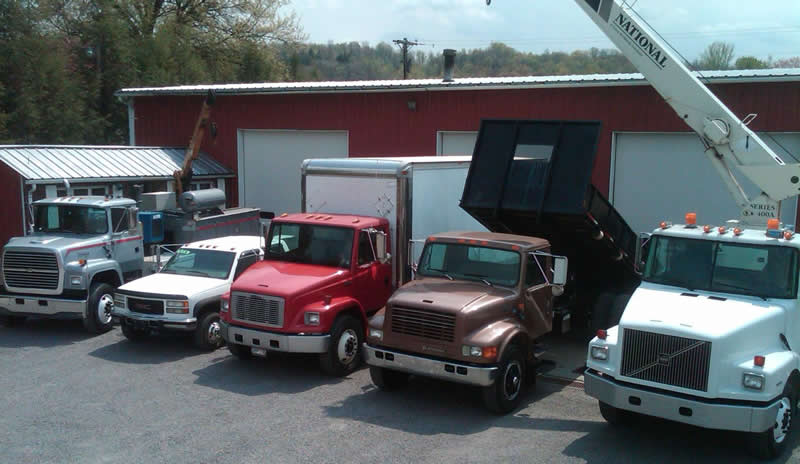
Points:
point(756, 27)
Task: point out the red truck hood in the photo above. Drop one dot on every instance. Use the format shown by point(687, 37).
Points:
point(286, 279)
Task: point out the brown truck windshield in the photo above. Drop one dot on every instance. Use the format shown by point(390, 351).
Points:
point(466, 262)
point(311, 244)
point(73, 219)
point(765, 271)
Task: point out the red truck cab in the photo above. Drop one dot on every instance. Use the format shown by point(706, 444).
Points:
point(321, 277)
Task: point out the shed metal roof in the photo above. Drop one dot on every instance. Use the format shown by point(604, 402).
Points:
point(471, 83)
point(52, 163)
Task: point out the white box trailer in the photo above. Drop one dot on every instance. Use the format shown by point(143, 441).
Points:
point(418, 195)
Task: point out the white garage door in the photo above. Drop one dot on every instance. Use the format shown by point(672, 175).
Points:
point(658, 177)
point(455, 143)
point(269, 164)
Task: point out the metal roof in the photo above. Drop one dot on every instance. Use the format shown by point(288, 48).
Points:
point(409, 85)
point(52, 163)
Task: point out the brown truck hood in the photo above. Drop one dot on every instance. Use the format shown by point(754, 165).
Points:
point(448, 296)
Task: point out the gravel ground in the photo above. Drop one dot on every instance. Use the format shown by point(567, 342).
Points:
point(70, 397)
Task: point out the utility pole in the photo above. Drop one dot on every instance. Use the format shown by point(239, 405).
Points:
point(404, 45)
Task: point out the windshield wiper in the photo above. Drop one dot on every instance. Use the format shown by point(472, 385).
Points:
point(200, 273)
point(441, 271)
point(480, 276)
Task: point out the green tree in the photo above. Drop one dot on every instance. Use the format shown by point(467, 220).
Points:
point(750, 62)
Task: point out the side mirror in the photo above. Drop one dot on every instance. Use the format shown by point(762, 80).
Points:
point(381, 254)
point(642, 246)
point(559, 270)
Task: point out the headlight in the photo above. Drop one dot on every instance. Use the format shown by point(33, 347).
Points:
point(177, 307)
point(75, 280)
point(487, 352)
point(376, 333)
point(753, 381)
point(119, 301)
point(311, 318)
point(226, 306)
point(600, 353)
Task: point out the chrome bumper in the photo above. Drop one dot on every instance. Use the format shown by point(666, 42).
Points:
point(41, 305)
point(702, 414)
point(454, 372)
point(157, 322)
point(274, 341)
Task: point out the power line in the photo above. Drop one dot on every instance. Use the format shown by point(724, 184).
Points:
point(404, 45)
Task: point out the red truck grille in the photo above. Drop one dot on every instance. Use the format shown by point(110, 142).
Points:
point(677, 361)
point(423, 323)
point(258, 309)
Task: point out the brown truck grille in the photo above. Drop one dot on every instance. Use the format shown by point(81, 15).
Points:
point(30, 269)
point(677, 361)
point(423, 323)
point(257, 309)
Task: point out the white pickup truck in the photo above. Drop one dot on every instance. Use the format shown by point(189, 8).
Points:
point(185, 295)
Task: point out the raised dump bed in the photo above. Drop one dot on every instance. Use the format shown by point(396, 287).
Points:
point(535, 178)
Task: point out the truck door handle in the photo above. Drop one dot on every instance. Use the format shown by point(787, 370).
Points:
point(347, 283)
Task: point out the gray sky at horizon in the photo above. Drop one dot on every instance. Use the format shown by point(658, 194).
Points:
point(756, 28)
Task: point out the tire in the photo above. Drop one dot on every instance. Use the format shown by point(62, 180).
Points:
point(12, 321)
point(207, 334)
point(505, 394)
point(387, 379)
point(614, 416)
point(771, 443)
point(97, 318)
point(343, 355)
point(132, 334)
point(617, 308)
point(240, 351)
point(601, 311)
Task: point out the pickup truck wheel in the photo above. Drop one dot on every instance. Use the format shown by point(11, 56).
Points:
point(771, 443)
point(132, 334)
point(240, 351)
point(387, 379)
point(612, 415)
point(504, 395)
point(601, 312)
point(12, 321)
point(343, 357)
point(97, 318)
point(207, 334)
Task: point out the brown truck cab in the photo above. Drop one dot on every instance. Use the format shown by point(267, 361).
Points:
point(476, 305)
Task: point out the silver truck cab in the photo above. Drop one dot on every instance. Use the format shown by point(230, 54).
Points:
point(80, 250)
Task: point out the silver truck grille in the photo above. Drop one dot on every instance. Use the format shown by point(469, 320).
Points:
point(257, 309)
point(423, 323)
point(31, 270)
point(677, 361)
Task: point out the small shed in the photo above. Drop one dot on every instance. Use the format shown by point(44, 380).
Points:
point(29, 173)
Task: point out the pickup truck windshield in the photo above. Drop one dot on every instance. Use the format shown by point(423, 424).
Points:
point(311, 244)
point(204, 263)
point(74, 219)
point(766, 271)
point(457, 261)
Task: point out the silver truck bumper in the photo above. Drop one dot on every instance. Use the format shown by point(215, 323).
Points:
point(41, 305)
point(145, 321)
point(274, 341)
point(707, 415)
point(454, 372)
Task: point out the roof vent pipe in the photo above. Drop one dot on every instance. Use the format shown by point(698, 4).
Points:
point(449, 64)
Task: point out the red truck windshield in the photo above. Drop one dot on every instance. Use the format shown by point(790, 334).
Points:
point(311, 244)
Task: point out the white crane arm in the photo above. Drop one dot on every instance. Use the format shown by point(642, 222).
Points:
point(728, 139)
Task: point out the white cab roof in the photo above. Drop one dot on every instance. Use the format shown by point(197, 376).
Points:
point(235, 243)
point(755, 236)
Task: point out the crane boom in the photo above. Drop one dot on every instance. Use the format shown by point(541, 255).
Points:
point(183, 176)
point(727, 139)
